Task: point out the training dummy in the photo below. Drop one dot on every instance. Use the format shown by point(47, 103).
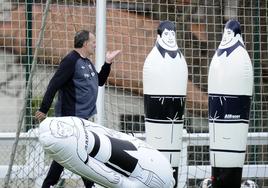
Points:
point(165, 75)
point(107, 157)
point(230, 84)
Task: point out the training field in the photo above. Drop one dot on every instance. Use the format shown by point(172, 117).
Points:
point(35, 35)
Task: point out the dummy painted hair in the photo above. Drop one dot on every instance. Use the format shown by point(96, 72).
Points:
point(80, 37)
point(165, 25)
point(234, 25)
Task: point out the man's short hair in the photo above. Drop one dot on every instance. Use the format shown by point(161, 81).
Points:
point(80, 37)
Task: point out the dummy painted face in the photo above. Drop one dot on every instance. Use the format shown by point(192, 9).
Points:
point(231, 34)
point(62, 129)
point(168, 37)
point(227, 37)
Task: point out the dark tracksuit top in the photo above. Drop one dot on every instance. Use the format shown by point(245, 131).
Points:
point(76, 81)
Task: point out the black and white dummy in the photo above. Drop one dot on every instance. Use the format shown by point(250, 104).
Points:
point(165, 76)
point(230, 85)
point(105, 156)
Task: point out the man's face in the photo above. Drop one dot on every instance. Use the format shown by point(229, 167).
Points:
point(90, 45)
point(227, 37)
point(169, 38)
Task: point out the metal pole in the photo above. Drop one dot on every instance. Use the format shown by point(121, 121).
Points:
point(100, 53)
point(23, 111)
point(29, 59)
point(257, 68)
point(257, 109)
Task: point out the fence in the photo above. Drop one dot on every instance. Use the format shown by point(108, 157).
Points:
point(131, 26)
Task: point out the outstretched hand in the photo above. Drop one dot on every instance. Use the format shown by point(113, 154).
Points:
point(110, 55)
point(40, 116)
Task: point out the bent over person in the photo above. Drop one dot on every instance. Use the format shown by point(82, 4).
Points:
point(76, 81)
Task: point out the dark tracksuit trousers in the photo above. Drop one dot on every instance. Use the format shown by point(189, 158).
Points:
point(54, 173)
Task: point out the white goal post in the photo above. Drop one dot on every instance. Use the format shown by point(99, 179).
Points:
point(185, 171)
